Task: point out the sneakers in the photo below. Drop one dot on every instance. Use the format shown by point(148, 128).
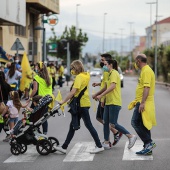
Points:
point(7, 139)
point(9, 132)
point(60, 149)
point(132, 141)
point(106, 146)
point(117, 137)
point(97, 150)
point(148, 149)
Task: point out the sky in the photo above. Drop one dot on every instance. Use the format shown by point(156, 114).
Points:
point(119, 13)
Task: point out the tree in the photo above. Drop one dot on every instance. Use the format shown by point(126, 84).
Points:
point(76, 41)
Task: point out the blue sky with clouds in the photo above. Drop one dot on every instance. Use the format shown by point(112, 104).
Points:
point(119, 13)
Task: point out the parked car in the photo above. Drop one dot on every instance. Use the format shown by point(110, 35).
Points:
point(121, 76)
point(96, 72)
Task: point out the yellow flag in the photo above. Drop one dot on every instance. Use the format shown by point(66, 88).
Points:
point(26, 70)
point(59, 99)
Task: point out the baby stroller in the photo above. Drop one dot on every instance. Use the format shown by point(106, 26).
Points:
point(32, 135)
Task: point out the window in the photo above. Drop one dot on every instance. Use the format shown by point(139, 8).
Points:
point(20, 30)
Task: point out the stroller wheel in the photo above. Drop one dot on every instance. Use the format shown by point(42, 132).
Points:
point(54, 142)
point(23, 147)
point(15, 148)
point(44, 147)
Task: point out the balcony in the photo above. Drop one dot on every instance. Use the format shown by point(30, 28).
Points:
point(44, 6)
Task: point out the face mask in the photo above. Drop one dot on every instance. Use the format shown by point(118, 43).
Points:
point(73, 72)
point(105, 69)
point(136, 67)
point(16, 61)
point(101, 64)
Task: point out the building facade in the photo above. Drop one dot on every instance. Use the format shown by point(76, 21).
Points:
point(163, 33)
point(30, 37)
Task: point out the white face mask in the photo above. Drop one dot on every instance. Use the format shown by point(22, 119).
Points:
point(16, 61)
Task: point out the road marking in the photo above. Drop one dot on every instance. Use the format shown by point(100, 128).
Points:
point(29, 156)
point(129, 154)
point(80, 152)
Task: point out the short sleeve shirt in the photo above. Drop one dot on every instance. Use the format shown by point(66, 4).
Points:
point(114, 97)
point(80, 82)
point(146, 79)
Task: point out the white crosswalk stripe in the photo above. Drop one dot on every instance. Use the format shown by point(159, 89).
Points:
point(80, 152)
point(29, 156)
point(129, 154)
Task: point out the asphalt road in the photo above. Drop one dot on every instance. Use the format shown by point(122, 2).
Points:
point(112, 159)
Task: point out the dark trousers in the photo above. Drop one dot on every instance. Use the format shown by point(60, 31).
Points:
point(140, 129)
point(54, 82)
point(87, 121)
point(60, 83)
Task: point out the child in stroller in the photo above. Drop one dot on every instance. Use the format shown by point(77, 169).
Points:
point(28, 118)
point(32, 134)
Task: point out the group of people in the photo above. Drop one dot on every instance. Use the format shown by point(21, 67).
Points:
point(110, 102)
point(42, 85)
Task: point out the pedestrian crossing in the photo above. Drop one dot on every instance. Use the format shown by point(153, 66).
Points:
point(80, 153)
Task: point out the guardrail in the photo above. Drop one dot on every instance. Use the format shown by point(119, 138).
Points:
point(163, 83)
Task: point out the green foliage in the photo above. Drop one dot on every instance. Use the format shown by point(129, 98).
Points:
point(163, 60)
point(76, 42)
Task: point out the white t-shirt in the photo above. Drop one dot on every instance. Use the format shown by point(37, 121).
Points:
point(14, 78)
point(12, 109)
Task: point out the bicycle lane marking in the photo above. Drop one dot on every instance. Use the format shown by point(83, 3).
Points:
point(130, 154)
point(80, 152)
point(29, 156)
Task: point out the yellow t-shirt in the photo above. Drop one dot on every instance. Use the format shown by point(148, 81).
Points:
point(104, 80)
point(146, 79)
point(61, 71)
point(114, 97)
point(80, 82)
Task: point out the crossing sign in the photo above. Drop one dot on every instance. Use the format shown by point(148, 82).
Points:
point(17, 45)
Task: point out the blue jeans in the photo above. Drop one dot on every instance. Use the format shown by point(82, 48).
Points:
point(140, 129)
point(87, 121)
point(111, 113)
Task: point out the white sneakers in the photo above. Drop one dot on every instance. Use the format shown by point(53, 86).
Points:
point(132, 141)
point(60, 149)
point(97, 150)
point(9, 132)
point(106, 146)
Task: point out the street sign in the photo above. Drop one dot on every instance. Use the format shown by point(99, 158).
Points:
point(17, 45)
point(52, 47)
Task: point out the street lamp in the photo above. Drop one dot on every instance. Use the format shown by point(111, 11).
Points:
point(149, 37)
point(115, 41)
point(156, 45)
point(104, 32)
point(121, 45)
point(44, 43)
point(130, 50)
point(68, 55)
point(77, 5)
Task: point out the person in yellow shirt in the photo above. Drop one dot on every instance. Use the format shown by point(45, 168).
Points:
point(100, 110)
point(52, 72)
point(81, 81)
point(60, 75)
point(113, 104)
point(144, 112)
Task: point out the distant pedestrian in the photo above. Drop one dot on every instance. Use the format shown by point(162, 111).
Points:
point(144, 107)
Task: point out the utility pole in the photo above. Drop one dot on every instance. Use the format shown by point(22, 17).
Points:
point(104, 32)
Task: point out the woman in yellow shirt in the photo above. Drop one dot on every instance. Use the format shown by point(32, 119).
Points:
point(113, 104)
point(81, 81)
